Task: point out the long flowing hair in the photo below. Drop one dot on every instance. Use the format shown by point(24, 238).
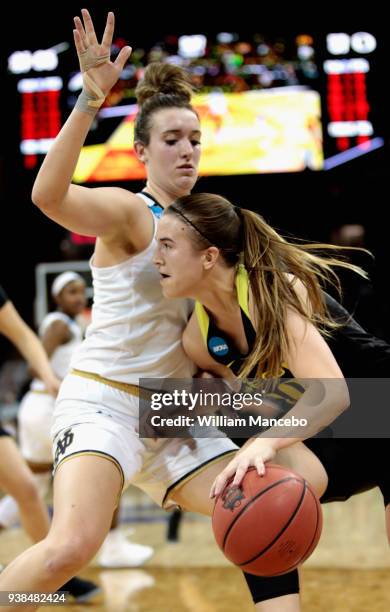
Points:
point(273, 264)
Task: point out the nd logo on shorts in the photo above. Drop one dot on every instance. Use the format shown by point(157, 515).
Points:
point(63, 443)
point(218, 346)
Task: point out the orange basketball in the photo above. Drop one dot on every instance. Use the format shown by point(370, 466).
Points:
point(269, 524)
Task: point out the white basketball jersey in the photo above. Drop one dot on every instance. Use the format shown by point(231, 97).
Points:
point(135, 332)
point(60, 359)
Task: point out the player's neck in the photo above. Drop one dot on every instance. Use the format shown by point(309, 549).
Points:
point(218, 293)
point(162, 196)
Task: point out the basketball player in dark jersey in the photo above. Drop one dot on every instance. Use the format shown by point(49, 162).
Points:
point(203, 233)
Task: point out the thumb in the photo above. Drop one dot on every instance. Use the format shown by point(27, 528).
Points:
point(123, 57)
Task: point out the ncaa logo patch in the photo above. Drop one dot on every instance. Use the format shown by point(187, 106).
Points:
point(218, 346)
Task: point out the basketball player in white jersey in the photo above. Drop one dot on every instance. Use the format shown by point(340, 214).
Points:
point(16, 479)
point(61, 333)
point(134, 333)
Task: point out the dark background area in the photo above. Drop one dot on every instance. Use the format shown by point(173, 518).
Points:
point(307, 204)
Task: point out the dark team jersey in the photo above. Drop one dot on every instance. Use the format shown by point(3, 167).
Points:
point(219, 345)
point(358, 353)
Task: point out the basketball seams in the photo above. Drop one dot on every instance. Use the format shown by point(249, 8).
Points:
point(318, 520)
point(272, 558)
point(305, 556)
point(285, 526)
point(248, 505)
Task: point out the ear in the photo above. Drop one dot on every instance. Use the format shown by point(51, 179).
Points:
point(140, 151)
point(210, 257)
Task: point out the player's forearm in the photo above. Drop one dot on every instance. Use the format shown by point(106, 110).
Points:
point(55, 175)
point(33, 351)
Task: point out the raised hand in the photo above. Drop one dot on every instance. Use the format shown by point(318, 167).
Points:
point(99, 73)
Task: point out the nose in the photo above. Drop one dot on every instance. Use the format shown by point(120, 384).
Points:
point(157, 260)
point(186, 148)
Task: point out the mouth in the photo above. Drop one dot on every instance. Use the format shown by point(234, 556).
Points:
point(186, 167)
point(163, 276)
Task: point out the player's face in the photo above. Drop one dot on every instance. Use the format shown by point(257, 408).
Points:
point(172, 155)
point(72, 299)
point(179, 263)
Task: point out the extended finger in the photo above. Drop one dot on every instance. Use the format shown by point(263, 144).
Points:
point(89, 29)
point(81, 32)
point(108, 30)
point(222, 478)
point(240, 472)
point(212, 490)
point(260, 467)
point(122, 58)
point(78, 42)
point(218, 485)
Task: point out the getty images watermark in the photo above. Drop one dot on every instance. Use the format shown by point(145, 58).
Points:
point(196, 401)
point(278, 407)
point(206, 407)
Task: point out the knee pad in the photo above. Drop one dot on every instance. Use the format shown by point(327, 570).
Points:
point(263, 588)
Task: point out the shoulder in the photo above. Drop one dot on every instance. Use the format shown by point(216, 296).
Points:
point(134, 227)
point(133, 203)
point(193, 342)
point(56, 324)
point(192, 336)
point(297, 325)
point(298, 286)
point(301, 291)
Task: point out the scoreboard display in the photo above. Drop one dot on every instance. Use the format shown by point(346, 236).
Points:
point(286, 103)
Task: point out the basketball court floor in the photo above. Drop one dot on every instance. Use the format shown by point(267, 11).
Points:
point(348, 572)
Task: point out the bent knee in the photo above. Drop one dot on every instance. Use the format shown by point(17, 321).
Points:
point(69, 556)
point(303, 461)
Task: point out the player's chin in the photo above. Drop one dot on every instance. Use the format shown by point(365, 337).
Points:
point(168, 291)
point(187, 182)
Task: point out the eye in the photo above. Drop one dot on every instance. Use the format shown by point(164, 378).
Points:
point(195, 143)
point(171, 142)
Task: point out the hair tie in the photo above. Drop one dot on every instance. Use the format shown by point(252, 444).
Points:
point(173, 208)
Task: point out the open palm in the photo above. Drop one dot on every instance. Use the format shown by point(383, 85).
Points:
point(94, 57)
